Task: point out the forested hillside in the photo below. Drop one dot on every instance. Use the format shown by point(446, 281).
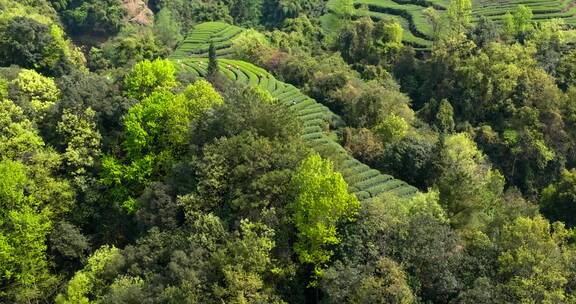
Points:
point(267, 151)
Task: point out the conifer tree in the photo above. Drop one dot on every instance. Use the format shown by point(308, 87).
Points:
point(212, 61)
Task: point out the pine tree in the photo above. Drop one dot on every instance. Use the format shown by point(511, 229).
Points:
point(445, 117)
point(212, 61)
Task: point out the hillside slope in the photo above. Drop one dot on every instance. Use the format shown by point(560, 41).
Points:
point(319, 122)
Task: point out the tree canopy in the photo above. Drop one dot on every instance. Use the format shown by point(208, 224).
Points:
point(273, 151)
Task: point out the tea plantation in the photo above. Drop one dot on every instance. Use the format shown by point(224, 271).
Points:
point(418, 28)
point(319, 125)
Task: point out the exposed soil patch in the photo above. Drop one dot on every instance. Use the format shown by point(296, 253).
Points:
point(569, 7)
point(138, 12)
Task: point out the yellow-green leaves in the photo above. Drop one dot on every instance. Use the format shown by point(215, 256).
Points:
point(17, 134)
point(87, 281)
point(393, 32)
point(163, 119)
point(535, 260)
point(469, 187)
point(201, 97)
point(322, 202)
point(81, 138)
point(11, 184)
point(156, 131)
point(445, 117)
point(41, 92)
point(149, 76)
point(392, 129)
point(459, 14)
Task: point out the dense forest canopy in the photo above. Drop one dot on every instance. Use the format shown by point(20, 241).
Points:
point(271, 151)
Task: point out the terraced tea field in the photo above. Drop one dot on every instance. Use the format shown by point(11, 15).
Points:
point(542, 9)
point(202, 35)
point(319, 125)
point(417, 28)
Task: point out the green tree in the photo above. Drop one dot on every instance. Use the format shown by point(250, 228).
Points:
point(69, 242)
point(517, 24)
point(247, 109)
point(156, 131)
point(344, 8)
point(242, 176)
point(485, 32)
point(26, 220)
point(248, 261)
point(167, 28)
point(81, 140)
point(148, 76)
point(356, 41)
point(522, 19)
point(468, 186)
point(566, 70)
point(17, 133)
point(388, 284)
point(383, 281)
point(246, 12)
point(88, 283)
point(437, 275)
point(25, 267)
point(508, 27)
point(34, 45)
point(131, 46)
point(369, 104)
point(366, 239)
point(392, 32)
point(459, 14)
point(213, 67)
point(445, 117)
point(363, 144)
point(392, 129)
point(322, 203)
point(92, 15)
point(534, 260)
point(558, 202)
point(36, 94)
point(433, 17)
point(161, 121)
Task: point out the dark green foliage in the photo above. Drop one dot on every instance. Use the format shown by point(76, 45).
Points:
point(445, 117)
point(31, 44)
point(244, 110)
point(411, 159)
point(382, 282)
point(92, 16)
point(558, 201)
point(167, 29)
point(158, 208)
point(429, 251)
point(485, 32)
point(24, 42)
point(276, 11)
point(227, 186)
point(246, 12)
point(80, 91)
point(368, 42)
point(130, 46)
point(197, 264)
point(68, 242)
point(213, 68)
